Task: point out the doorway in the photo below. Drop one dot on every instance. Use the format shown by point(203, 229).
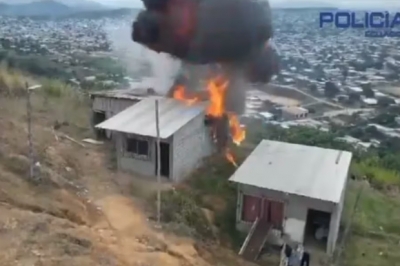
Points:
point(317, 228)
point(99, 117)
point(164, 158)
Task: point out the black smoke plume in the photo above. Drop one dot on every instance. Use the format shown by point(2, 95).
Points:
point(229, 32)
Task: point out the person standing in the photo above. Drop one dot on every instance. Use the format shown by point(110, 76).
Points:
point(305, 260)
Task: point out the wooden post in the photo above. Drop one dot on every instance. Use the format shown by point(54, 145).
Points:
point(158, 166)
point(338, 258)
point(29, 124)
point(29, 90)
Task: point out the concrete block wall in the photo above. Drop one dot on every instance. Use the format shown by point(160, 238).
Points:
point(191, 144)
point(131, 164)
point(336, 219)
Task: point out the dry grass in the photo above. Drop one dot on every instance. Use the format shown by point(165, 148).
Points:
point(375, 234)
point(12, 82)
point(44, 216)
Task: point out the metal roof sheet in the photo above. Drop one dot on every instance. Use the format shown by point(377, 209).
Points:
point(296, 169)
point(133, 94)
point(140, 118)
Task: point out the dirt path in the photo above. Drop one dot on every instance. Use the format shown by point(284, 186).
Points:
point(128, 233)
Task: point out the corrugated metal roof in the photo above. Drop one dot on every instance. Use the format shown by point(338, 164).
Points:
point(133, 94)
point(296, 169)
point(140, 118)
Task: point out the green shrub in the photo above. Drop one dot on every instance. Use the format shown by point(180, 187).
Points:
point(378, 177)
point(179, 207)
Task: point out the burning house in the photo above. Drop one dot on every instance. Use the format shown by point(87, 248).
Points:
point(185, 137)
point(222, 110)
point(291, 192)
point(192, 125)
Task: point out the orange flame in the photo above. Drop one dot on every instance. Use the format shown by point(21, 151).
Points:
point(229, 156)
point(238, 134)
point(216, 89)
point(180, 94)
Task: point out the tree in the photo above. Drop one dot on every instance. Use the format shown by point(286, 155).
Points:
point(313, 87)
point(385, 119)
point(367, 90)
point(331, 89)
point(354, 97)
point(345, 73)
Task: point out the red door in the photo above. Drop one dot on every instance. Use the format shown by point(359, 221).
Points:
point(277, 214)
point(265, 217)
point(251, 208)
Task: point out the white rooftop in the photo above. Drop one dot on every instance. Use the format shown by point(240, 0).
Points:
point(140, 118)
point(296, 169)
point(370, 101)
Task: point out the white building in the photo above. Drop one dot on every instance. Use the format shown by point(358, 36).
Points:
point(294, 112)
point(291, 188)
point(185, 137)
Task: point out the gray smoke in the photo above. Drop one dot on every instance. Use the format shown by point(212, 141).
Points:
point(145, 66)
point(236, 93)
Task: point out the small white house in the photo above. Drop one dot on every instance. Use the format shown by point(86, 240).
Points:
point(295, 189)
point(294, 112)
point(185, 137)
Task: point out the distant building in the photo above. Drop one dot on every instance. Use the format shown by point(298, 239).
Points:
point(266, 116)
point(370, 101)
point(294, 112)
point(296, 190)
point(185, 138)
point(356, 142)
point(390, 132)
point(357, 90)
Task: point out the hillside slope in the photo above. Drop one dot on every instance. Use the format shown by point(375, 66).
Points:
point(79, 211)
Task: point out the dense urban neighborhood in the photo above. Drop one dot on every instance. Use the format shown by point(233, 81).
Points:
point(106, 159)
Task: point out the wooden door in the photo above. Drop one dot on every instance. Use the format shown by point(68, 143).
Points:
point(276, 214)
point(266, 211)
point(251, 208)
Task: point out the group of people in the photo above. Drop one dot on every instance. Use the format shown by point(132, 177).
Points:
point(297, 256)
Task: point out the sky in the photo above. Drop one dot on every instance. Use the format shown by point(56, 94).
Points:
point(124, 3)
point(366, 4)
point(287, 3)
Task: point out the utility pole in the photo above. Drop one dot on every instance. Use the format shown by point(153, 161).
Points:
point(158, 165)
point(29, 90)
